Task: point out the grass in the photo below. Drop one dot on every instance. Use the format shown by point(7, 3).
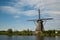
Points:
point(30, 33)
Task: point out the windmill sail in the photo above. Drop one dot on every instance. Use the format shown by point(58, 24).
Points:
point(39, 13)
point(47, 19)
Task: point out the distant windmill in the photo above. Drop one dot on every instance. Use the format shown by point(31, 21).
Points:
point(39, 27)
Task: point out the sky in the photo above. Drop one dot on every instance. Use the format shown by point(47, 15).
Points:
point(15, 13)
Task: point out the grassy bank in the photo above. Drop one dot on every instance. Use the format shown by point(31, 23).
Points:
point(49, 33)
point(10, 32)
point(30, 33)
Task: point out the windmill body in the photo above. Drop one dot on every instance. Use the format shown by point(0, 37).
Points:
point(39, 26)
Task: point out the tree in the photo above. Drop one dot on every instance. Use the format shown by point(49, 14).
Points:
point(10, 31)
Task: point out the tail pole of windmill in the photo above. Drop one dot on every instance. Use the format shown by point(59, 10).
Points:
point(39, 21)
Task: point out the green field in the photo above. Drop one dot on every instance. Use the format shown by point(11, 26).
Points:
point(29, 32)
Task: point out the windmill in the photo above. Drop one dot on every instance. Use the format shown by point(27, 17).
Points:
point(39, 26)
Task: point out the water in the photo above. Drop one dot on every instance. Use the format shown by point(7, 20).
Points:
point(4, 37)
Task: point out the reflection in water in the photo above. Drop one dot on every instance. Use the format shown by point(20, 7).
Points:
point(39, 38)
point(4, 37)
point(9, 38)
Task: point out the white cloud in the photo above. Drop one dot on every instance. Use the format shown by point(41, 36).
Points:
point(55, 12)
point(44, 5)
point(9, 9)
point(52, 12)
point(16, 17)
point(30, 13)
point(12, 10)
